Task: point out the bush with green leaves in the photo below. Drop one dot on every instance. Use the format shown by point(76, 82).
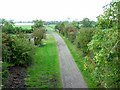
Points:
point(86, 22)
point(17, 50)
point(67, 29)
point(71, 32)
point(5, 72)
point(61, 27)
point(8, 26)
point(105, 47)
point(22, 30)
point(38, 31)
point(38, 35)
point(83, 37)
point(6, 47)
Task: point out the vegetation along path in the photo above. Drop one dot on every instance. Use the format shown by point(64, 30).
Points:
point(70, 74)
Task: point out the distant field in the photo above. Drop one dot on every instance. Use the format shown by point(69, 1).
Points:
point(24, 26)
point(28, 26)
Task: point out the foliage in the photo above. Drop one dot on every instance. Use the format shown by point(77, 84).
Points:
point(22, 30)
point(38, 31)
point(87, 23)
point(8, 26)
point(38, 24)
point(104, 45)
point(38, 35)
point(101, 46)
point(83, 37)
point(110, 17)
point(61, 26)
point(6, 47)
point(5, 72)
point(68, 29)
point(71, 32)
point(76, 24)
point(17, 50)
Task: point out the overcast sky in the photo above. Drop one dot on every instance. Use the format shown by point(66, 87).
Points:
point(51, 9)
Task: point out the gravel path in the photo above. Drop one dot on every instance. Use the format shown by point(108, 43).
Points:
point(70, 74)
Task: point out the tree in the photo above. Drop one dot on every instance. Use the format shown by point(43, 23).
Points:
point(38, 31)
point(8, 26)
point(38, 24)
point(76, 24)
point(87, 23)
point(38, 35)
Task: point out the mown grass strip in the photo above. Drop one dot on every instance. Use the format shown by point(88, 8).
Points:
point(80, 61)
point(45, 72)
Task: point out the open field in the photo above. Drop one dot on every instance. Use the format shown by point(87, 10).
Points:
point(28, 26)
point(24, 26)
point(45, 73)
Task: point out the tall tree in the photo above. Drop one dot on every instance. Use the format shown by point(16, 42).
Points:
point(38, 24)
point(86, 22)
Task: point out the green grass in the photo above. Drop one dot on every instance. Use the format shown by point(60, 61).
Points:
point(24, 26)
point(80, 61)
point(50, 27)
point(45, 72)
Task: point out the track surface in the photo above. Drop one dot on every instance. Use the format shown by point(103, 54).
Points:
point(70, 74)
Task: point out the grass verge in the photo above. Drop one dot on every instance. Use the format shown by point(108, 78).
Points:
point(80, 61)
point(45, 72)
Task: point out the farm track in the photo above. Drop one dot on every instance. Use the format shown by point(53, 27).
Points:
point(70, 74)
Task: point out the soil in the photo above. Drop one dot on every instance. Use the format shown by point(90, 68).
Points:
point(16, 77)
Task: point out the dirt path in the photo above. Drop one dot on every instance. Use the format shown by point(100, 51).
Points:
point(70, 74)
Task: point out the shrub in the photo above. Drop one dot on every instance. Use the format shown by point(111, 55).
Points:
point(8, 27)
point(83, 37)
point(104, 47)
point(23, 51)
point(6, 47)
point(17, 50)
point(38, 34)
point(5, 72)
point(71, 32)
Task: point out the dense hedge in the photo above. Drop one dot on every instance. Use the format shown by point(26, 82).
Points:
point(17, 49)
point(83, 37)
